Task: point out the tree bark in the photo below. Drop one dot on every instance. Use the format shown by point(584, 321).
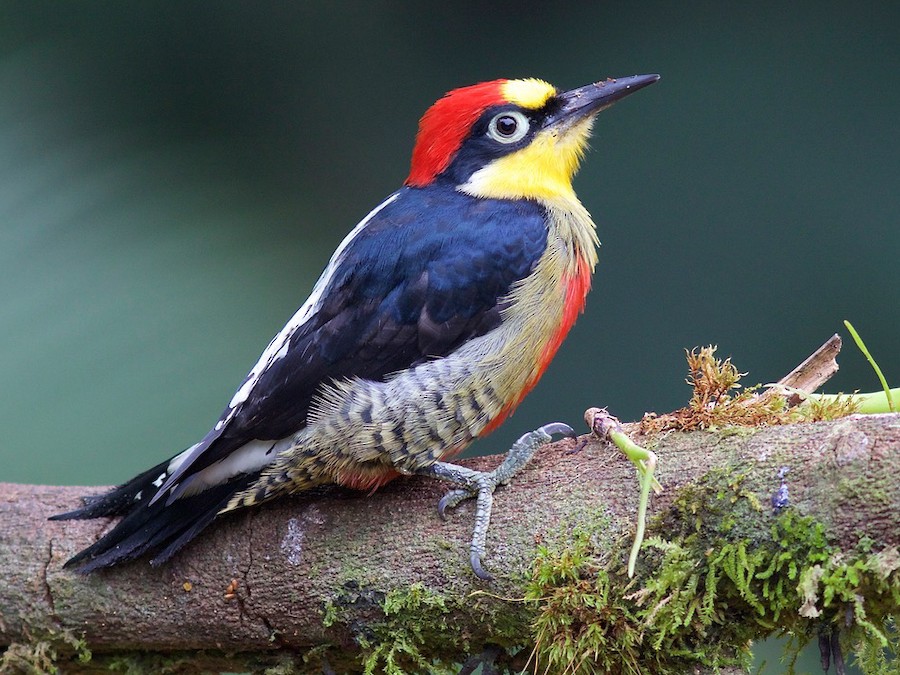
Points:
point(266, 586)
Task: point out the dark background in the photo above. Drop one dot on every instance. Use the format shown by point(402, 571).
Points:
point(174, 177)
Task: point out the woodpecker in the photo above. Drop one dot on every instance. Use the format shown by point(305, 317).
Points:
point(433, 319)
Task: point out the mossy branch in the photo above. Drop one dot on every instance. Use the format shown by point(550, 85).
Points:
point(380, 582)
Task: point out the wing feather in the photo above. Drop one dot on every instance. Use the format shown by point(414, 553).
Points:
point(428, 272)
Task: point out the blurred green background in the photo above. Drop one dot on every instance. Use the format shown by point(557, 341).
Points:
point(174, 177)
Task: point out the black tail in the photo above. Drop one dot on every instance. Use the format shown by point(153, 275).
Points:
point(161, 529)
point(120, 500)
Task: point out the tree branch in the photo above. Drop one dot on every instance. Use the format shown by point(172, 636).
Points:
point(338, 579)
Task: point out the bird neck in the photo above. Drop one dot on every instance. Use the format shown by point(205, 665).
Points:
point(570, 222)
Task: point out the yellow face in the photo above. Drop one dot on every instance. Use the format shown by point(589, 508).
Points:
point(544, 168)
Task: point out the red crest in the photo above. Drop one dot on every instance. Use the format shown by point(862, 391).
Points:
point(445, 125)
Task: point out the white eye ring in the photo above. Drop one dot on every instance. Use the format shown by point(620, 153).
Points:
point(508, 127)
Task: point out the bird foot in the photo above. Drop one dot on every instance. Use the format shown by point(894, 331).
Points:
point(481, 485)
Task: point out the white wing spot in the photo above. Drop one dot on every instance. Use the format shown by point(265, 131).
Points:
point(159, 481)
point(137, 497)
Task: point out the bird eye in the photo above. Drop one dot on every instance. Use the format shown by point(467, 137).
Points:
point(508, 127)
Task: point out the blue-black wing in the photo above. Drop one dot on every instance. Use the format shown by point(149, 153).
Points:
point(428, 273)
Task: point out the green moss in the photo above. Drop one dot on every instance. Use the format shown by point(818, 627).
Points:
point(408, 624)
point(418, 630)
point(722, 575)
point(33, 659)
point(45, 653)
point(862, 489)
point(330, 614)
point(444, 545)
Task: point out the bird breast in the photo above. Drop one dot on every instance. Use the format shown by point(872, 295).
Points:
point(359, 431)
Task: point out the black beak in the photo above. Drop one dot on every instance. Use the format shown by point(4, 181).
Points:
point(576, 104)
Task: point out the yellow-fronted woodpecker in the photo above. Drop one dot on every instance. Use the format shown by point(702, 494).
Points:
point(433, 319)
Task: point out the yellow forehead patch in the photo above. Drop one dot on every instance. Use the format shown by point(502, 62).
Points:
point(531, 93)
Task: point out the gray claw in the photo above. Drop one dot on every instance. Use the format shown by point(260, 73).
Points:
point(442, 506)
point(558, 428)
point(451, 500)
point(475, 561)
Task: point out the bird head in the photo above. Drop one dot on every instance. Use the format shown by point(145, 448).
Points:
point(512, 139)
